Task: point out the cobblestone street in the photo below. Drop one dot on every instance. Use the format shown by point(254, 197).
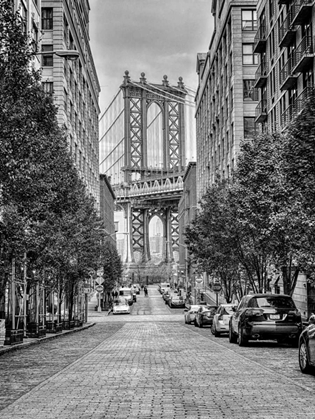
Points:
point(152, 366)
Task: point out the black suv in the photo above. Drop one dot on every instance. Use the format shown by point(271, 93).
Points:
point(265, 317)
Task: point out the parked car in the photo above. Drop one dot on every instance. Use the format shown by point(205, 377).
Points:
point(190, 313)
point(127, 293)
point(121, 307)
point(176, 301)
point(265, 317)
point(204, 315)
point(164, 286)
point(166, 295)
point(221, 319)
point(307, 347)
point(136, 288)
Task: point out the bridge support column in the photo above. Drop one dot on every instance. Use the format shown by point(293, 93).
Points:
point(128, 237)
point(146, 241)
point(168, 242)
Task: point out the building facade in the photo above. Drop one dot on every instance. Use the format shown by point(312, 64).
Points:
point(285, 44)
point(74, 84)
point(226, 99)
point(30, 10)
point(107, 208)
point(284, 78)
point(186, 213)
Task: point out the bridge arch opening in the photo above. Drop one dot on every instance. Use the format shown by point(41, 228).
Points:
point(155, 136)
point(156, 239)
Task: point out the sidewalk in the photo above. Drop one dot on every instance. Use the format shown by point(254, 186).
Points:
point(50, 336)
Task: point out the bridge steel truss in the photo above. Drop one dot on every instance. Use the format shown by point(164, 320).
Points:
point(148, 192)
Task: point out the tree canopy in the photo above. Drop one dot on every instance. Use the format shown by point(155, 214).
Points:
point(260, 223)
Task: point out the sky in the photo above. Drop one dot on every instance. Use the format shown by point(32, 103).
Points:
point(157, 37)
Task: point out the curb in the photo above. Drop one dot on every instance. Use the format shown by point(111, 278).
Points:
point(7, 349)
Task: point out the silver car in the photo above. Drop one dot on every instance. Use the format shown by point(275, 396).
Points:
point(190, 313)
point(221, 319)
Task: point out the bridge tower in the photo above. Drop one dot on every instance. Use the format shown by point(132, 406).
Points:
point(152, 190)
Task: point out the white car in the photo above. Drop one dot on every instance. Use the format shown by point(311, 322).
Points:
point(121, 308)
point(222, 318)
point(190, 313)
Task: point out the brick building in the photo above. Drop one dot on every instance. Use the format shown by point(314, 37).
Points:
point(226, 98)
point(65, 26)
point(107, 207)
point(285, 43)
point(186, 213)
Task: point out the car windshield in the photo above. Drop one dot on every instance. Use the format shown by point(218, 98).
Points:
point(208, 313)
point(125, 292)
point(227, 310)
point(275, 302)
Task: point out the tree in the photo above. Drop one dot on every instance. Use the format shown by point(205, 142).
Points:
point(47, 213)
point(212, 240)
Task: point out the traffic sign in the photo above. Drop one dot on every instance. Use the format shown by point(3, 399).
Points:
point(199, 282)
point(217, 287)
point(99, 280)
point(99, 289)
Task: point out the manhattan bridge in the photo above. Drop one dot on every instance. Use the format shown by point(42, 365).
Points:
point(147, 138)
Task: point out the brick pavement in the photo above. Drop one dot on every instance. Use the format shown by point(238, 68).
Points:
point(158, 370)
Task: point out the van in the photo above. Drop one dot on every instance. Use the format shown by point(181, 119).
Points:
point(126, 292)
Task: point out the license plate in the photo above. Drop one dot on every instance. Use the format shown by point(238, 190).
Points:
point(276, 316)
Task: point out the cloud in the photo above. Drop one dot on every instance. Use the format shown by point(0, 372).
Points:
point(153, 36)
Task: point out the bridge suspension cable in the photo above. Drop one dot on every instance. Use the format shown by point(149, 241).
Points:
point(180, 100)
point(115, 163)
point(113, 150)
point(171, 94)
point(113, 123)
point(181, 90)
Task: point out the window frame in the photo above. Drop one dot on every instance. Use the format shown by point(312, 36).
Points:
point(254, 57)
point(251, 24)
point(47, 59)
point(47, 18)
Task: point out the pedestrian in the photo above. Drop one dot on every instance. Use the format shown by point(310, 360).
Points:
point(145, 291)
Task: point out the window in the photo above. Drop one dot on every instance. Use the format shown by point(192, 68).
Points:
point(48, 87)
point(47, 59)
point(249, 127)
point(47, 18)
point(23, 12)
point(249, 20)
point(249, 58)
point(249, 92)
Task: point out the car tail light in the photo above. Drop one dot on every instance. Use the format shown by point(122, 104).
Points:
point(254, 312)
point(292, 315)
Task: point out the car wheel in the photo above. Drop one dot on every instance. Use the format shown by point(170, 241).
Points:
point(186, 322)
point(242, 340)
point(232, 337)
point(215, 332)
point(195, 323)
point(303, 358)
point(200, 325)
point(212, 329)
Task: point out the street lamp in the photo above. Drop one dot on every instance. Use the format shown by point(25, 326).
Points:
point(71, 55)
